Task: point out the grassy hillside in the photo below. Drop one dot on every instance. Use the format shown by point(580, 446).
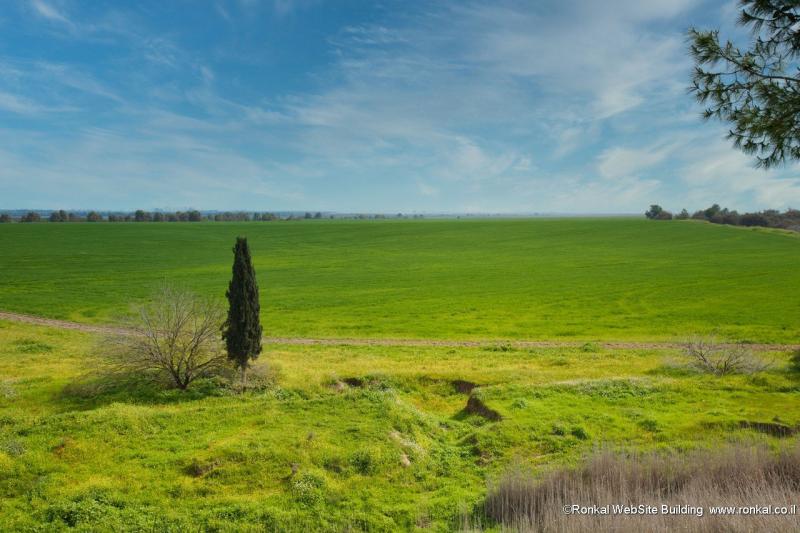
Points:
point(379, 437)
point(537, 278)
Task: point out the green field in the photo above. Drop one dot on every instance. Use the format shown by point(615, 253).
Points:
point(346, 437)
point(395, 451)
point(571, 279)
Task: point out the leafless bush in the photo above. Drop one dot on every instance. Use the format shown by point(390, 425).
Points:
point(737, 476)
point(175, 336)
point(710, 356)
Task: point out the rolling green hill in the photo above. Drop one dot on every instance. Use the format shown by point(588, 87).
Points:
point(572, 279)
point(343, 438)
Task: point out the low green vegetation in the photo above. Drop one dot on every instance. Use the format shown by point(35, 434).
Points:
point(571, 279)
point(331, 437)
point(352, 437)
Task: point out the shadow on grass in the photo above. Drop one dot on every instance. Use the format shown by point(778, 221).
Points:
point(95, 390)
point(476, 408)
point(674, 368)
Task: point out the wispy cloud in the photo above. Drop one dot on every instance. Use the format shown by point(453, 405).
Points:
point(49, 12)
point(284, 7)
point(18, 104)
point(499, 105)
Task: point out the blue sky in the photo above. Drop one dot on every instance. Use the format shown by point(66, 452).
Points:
point(462, 106)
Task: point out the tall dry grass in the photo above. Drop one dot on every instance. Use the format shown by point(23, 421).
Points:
point(740, 475)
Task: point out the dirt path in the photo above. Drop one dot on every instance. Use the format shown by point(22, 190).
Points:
point(620, 345)
point(59, 324)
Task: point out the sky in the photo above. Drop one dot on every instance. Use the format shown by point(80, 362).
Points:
point(366, 106)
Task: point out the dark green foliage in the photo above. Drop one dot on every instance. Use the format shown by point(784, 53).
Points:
point(30, 216)
point(363, 462)
point(794, 361)
point(656, 212)
point(579, 432)
point(756, 90)
point(59, 216)
point(227, 216)
point(5, 218)
point(712, 211)
point(753, 219)
point(769, 218)
point(93, 216)
point(242, 329)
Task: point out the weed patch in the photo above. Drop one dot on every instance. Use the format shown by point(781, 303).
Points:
point(32, 346)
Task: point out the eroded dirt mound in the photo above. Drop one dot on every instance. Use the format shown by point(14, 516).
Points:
point(475, 406)
point(769, 428)
point(354, 382)
point(463, 387)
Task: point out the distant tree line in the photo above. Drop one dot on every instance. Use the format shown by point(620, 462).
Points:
point(769, 218)
point(185, 216)
point(63, 216)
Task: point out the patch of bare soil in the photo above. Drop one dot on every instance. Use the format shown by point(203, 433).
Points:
point(475, 406)
point(60, 324)
point(769, 428)
point(354, 382)
point(463, 386)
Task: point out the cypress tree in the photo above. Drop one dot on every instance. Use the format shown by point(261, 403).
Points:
point(242, 329)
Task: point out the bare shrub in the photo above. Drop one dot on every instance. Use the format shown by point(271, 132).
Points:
point(709, 355)
point(175, 336)
point(736, 476)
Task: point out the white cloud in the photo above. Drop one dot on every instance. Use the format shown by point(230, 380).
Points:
point(507, 105)
point(621, 162)
point(69, 76)
point(284, 7)
point(600, 52)
point(49, 12)
point(106, 169)
point(715, 172)
point(491, 65)
point(18, 104)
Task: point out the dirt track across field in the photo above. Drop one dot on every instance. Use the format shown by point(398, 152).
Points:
point(619, 345)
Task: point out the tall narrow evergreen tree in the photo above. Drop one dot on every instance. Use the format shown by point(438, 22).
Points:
point(242, 329)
